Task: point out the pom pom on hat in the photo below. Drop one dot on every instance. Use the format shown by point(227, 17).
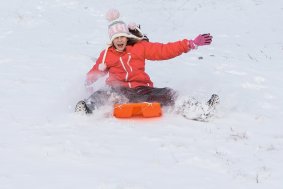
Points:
point(112, 14)
point(132, 26)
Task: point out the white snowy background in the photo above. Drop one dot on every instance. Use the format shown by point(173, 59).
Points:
point(46, 48)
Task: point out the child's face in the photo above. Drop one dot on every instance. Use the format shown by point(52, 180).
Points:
point(120, 43)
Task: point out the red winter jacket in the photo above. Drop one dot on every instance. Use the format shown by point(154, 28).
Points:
point(127, 68)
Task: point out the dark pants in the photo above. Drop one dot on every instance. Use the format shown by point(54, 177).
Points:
point(165, 96)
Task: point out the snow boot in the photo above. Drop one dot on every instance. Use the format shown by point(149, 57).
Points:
point(194, 110)
point(81, 107)
point(213, 101)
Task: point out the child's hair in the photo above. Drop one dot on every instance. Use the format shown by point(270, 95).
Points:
point(132, 41)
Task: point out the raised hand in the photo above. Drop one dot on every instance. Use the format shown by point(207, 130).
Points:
point(200, 40)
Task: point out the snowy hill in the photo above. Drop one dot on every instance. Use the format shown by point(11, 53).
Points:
point(46, 48)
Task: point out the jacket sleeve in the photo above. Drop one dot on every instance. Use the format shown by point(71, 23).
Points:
point(94, 74)
point(159, 51)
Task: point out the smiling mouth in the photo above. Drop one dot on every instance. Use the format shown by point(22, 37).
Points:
point(120, 45)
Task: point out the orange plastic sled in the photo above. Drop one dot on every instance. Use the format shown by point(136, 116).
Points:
point(143, 109)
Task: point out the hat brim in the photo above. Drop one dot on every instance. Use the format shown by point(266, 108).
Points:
point(123, 35)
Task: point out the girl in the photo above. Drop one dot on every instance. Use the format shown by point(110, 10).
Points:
point(124, 61)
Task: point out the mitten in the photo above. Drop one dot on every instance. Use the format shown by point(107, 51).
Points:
point(200, 40)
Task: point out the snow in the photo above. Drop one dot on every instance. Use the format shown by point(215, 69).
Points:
point(48, 46)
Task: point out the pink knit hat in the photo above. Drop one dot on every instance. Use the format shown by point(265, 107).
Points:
point(116, 27)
